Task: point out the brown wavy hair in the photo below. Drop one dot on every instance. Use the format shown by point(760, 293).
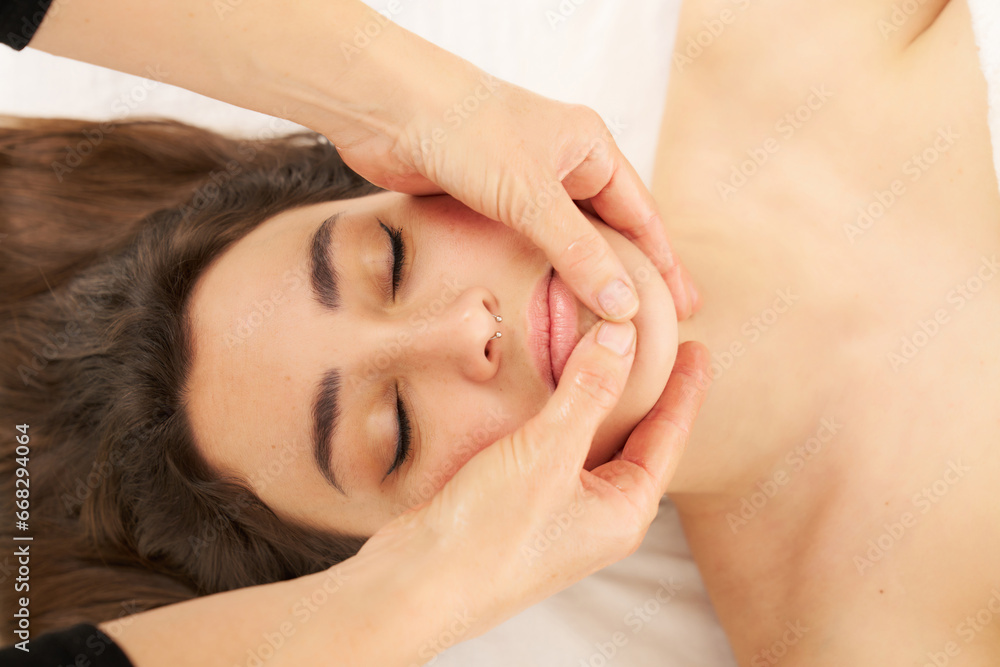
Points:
point(104, 229)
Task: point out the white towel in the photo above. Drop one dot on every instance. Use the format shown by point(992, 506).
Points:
point(986, 24)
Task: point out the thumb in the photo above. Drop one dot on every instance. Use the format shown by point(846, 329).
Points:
point(590, 386)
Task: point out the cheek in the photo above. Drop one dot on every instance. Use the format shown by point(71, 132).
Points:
point(461, 239)
point(462, 430)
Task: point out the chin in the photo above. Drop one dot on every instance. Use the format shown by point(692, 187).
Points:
point(656, 350)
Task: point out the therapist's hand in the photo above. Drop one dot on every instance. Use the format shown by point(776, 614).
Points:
point(523, 519)
point(520, 521)
point(521, 158)
point(405, 114)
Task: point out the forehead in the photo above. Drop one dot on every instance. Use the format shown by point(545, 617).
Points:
point(251, 293)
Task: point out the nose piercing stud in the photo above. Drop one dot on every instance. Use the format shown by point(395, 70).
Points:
point(497, 334)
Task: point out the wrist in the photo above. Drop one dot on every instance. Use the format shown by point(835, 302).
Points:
point(400, 594)
point(364, 77)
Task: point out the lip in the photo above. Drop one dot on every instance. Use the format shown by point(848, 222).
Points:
point(552, 327)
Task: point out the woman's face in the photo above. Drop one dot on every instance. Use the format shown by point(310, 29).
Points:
point(304, 356)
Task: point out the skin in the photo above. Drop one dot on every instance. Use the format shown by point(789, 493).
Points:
point(865, 545)
point(250, 390)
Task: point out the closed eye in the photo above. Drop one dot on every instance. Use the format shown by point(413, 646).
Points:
point(403, 435)
point(395, 235)
point(403, 430)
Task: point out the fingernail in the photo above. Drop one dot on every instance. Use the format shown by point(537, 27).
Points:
point(616, 336)
point(618, 300)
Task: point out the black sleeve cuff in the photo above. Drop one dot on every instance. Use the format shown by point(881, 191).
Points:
point(82, 644)
point(19, 20)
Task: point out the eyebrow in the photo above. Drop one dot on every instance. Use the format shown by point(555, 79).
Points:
point(323, 273)
point(326, 411)
point(326, 402)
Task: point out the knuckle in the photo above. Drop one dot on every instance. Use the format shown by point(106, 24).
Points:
point(585, 251)
point(586, 116)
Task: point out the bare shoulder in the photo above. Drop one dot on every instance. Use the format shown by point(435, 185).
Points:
point(816, 31)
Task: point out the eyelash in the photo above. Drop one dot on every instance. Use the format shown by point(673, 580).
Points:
point(398, 255)
point(403, 448)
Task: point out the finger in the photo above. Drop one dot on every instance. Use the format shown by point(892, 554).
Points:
point(692, 291)
point(621, 199)
point(588, 391)
point(584, 259)
point(638, 475)
point(657, 443)
point(643, 468)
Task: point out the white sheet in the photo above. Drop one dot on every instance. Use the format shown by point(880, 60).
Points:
point(573, 50)
point(986, 24)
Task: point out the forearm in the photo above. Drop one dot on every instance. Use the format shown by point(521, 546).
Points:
point(383, 610)
point(336, 66)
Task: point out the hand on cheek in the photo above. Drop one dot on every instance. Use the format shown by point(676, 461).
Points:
point(523, 519)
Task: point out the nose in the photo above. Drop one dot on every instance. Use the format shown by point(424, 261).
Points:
point(459, 335)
